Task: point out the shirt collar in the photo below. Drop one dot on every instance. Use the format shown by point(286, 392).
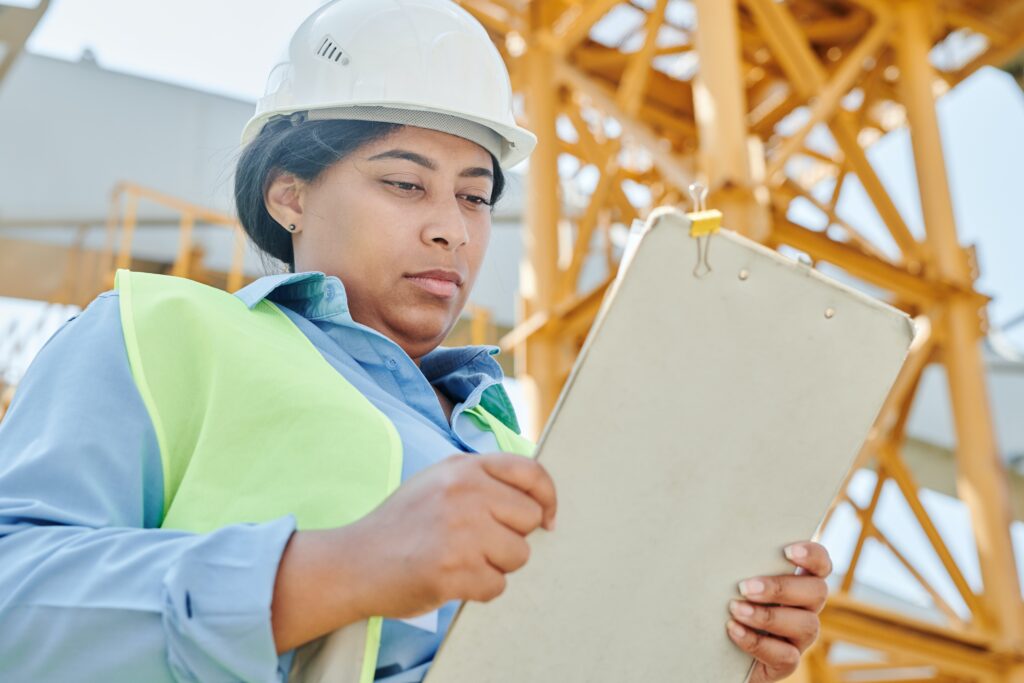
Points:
point(444, 360)
point(312, 294)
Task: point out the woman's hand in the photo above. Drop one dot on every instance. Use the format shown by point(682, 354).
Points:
point(450, 532)
point(778, 618)
point(453, 531)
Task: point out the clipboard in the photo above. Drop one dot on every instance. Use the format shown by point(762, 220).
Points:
point(708, 422)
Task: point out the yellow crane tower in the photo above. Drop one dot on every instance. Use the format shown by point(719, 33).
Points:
point(664, 92)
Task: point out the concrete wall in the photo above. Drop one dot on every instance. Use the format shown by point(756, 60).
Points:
point(69, 131)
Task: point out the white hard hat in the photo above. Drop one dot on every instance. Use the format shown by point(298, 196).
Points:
point(425, 63)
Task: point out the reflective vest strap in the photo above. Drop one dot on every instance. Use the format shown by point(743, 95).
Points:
point(507, 439)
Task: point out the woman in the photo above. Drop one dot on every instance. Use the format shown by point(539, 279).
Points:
point(195, 484)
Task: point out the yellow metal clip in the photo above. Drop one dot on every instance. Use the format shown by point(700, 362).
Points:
point(704, 223)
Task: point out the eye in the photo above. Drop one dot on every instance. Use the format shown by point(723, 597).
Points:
point(403, 186)
point(476, 200)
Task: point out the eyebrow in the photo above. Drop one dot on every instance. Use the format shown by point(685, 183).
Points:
point(420, 160)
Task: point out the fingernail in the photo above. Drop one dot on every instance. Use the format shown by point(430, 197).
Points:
point(751, 587)
point(796, 552)
point(735, 630)
point(741, 609)
point(551, 524)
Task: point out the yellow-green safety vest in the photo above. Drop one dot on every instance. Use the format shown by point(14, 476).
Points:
point(253, 423)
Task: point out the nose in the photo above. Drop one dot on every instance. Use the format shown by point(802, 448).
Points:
point(446, 224)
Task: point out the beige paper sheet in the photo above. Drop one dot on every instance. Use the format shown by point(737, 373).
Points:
point(707, 423)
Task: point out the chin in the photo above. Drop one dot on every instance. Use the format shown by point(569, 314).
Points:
point(424, 329)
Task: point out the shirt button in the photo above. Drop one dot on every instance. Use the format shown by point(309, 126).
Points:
point(391, 363)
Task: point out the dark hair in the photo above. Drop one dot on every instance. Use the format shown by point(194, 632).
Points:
point(305, 150)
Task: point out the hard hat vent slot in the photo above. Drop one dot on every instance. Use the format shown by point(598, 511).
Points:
point(330, 51)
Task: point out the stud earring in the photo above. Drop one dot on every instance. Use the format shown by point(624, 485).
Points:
point(291, 227)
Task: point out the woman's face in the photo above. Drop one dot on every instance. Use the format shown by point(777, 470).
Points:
point(404, 223)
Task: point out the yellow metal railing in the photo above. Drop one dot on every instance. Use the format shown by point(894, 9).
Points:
point(123, 214)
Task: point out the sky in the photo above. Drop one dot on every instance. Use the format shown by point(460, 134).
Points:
point(228, 46)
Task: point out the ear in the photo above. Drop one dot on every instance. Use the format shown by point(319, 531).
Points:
point(283, 199)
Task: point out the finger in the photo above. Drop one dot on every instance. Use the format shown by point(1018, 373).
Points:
point(798, 626)
point(526, 475)
point(484, 585)
point(779, 658)
point(810, 556)
point(807, 592)
point(505, 550)
point(513, 508)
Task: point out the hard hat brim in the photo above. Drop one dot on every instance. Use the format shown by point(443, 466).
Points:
point(508, 144)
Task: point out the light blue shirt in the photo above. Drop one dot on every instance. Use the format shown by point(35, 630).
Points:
point(92, 590)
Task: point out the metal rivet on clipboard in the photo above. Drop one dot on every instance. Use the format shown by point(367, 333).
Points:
point(704, 223)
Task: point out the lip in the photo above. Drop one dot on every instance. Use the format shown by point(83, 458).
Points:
point(440, 283)
point(439, 274)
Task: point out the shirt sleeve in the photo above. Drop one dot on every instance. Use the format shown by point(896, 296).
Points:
point(90, 589)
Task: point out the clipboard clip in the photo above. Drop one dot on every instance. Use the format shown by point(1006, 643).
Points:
point(704, 223)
